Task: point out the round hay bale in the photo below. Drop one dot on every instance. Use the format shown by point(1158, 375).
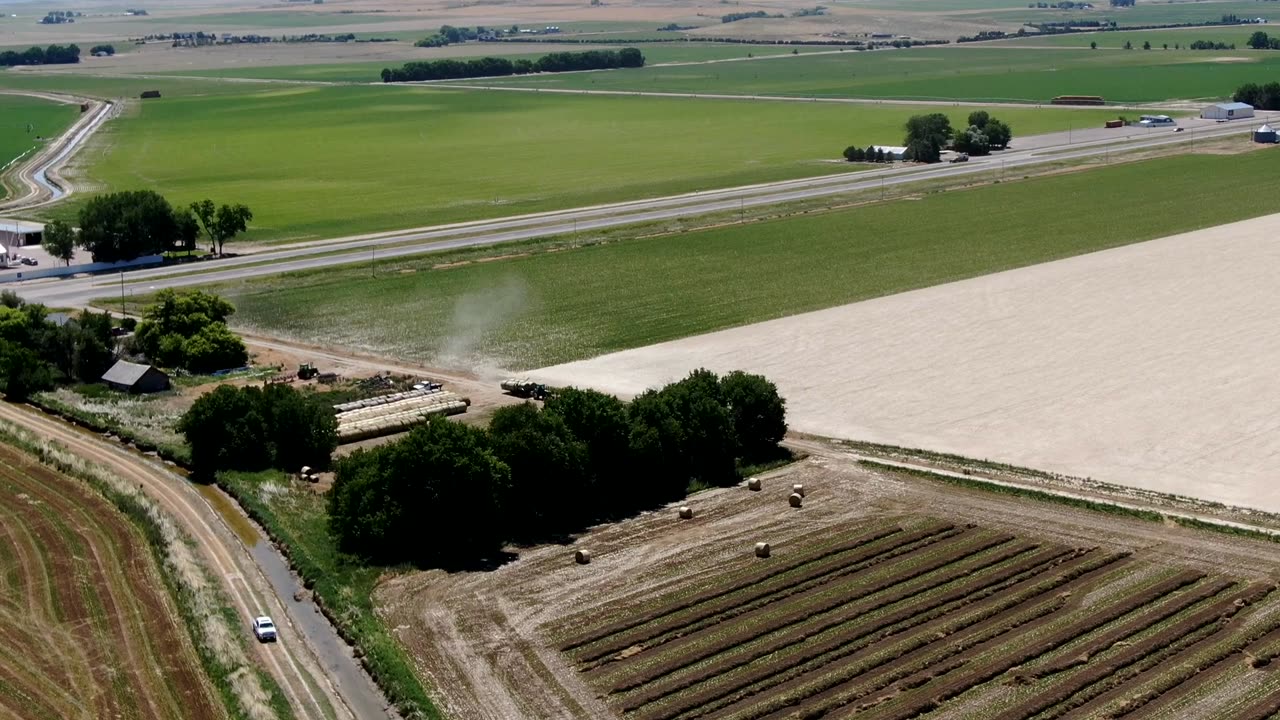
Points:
point(686, 512)
point(798, 489)
point(753, 484)
point(762, 549)
point(795, 500)
point(582, 557)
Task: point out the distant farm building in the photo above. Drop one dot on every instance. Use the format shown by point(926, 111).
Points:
point(16, 233)
point(891, 152)
point(134, 378)
point(146, 94)
point(1265, 134)
point(1227, 111)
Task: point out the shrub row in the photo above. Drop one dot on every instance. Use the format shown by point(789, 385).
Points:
point(501, 67)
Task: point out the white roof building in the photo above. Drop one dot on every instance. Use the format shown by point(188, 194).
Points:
point(1227, 111)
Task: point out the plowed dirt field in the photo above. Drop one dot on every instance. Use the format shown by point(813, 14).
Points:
point(885, 596)
point(86, 624)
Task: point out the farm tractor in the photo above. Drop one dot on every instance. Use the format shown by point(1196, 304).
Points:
point(306, 371)
point(524, 388)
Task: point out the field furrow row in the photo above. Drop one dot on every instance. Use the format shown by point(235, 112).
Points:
point(909, 705)
point(1081, 687)
point(644, 667)
point(789, 582)
point(855, 617)
point(873, 668)
point(684, 599)
point(848, 635)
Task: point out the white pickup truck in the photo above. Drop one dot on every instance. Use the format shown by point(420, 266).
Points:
point(264, 629)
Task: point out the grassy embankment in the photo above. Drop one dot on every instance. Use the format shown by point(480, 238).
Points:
point(988, 73)
point(545, 308)
point(17, 114)
point(296, 519)
point(330, 161)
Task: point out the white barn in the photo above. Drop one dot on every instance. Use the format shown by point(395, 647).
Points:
point(1227, 111)
point(892, 152)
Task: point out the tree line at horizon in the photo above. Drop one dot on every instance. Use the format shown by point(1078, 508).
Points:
point(35, 55)
point(498, 67)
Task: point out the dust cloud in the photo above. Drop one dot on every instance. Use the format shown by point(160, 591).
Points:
point(476, 315)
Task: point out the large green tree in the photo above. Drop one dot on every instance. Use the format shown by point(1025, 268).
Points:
point(59, 240)
point(433, 497)
point(250, 428)
point(222, 223)
point(127, 225)
point(551, 486)
point(188, 329)
point(759, 414)
point(601, 422)
point(926, 136)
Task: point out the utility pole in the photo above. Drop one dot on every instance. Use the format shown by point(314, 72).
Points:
point(373, 260)
point(123, 307)
point(742, 210)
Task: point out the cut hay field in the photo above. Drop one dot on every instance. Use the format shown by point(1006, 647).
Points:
point(989, 73)
point(521, 313)
point(89, 629)
point(330, 161)
point(22, 119)
point(1146, 366)
point(988, 606)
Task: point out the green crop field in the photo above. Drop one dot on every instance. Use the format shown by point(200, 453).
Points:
point(674, 52)
point(979, 74)
point(1116, 39)
point(326, 161)
point(554, 307)
point(23, 119)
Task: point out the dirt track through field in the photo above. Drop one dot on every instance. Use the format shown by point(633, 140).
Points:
point(289, 662)
point(1150, 365)
point(87, 626)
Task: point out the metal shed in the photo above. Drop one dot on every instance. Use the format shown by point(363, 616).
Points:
point(1227, 111)
point(135, 378)
point(20, 233)
point(1265, 134)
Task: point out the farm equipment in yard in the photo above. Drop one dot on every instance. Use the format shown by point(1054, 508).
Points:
point(306, 371)
point(525, 388)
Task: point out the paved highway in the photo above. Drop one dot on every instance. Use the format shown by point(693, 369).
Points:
point(75, 292)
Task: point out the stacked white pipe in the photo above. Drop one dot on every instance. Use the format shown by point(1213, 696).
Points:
point(390, 414)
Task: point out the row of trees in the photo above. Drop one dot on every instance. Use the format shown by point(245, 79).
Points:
point(450, 493)
point(1262, 97)
point(52, 55)
point(135, 223)
point(984, 134)
point(36, 352)
point(1210, 45)
point(252, 428)
point(871, 153)
point(498, 67)
point(189, 330)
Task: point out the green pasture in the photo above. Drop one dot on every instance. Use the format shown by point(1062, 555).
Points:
point(1115, 39)
point(326, 161)
point(267, 20)
point(1145, 13)
point(672, 52)
point(554, 307)
point(22, 119)
point(978, 74)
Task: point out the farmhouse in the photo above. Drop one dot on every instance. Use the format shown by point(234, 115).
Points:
point(1227, 111)
point(17, 233)
point(892, 152)
point(134, 378)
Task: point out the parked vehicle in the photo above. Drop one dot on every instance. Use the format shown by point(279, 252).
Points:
point(29, 261)
point(960, 157)
point(264, 629)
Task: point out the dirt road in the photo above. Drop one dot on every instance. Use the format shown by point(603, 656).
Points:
point(290, 662)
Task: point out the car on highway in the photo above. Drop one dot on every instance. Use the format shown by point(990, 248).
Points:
point(960, 157)
point(264, 629)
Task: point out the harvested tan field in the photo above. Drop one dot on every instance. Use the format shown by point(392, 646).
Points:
point(886, 596)
point(1150, 365)
point(89, 630)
